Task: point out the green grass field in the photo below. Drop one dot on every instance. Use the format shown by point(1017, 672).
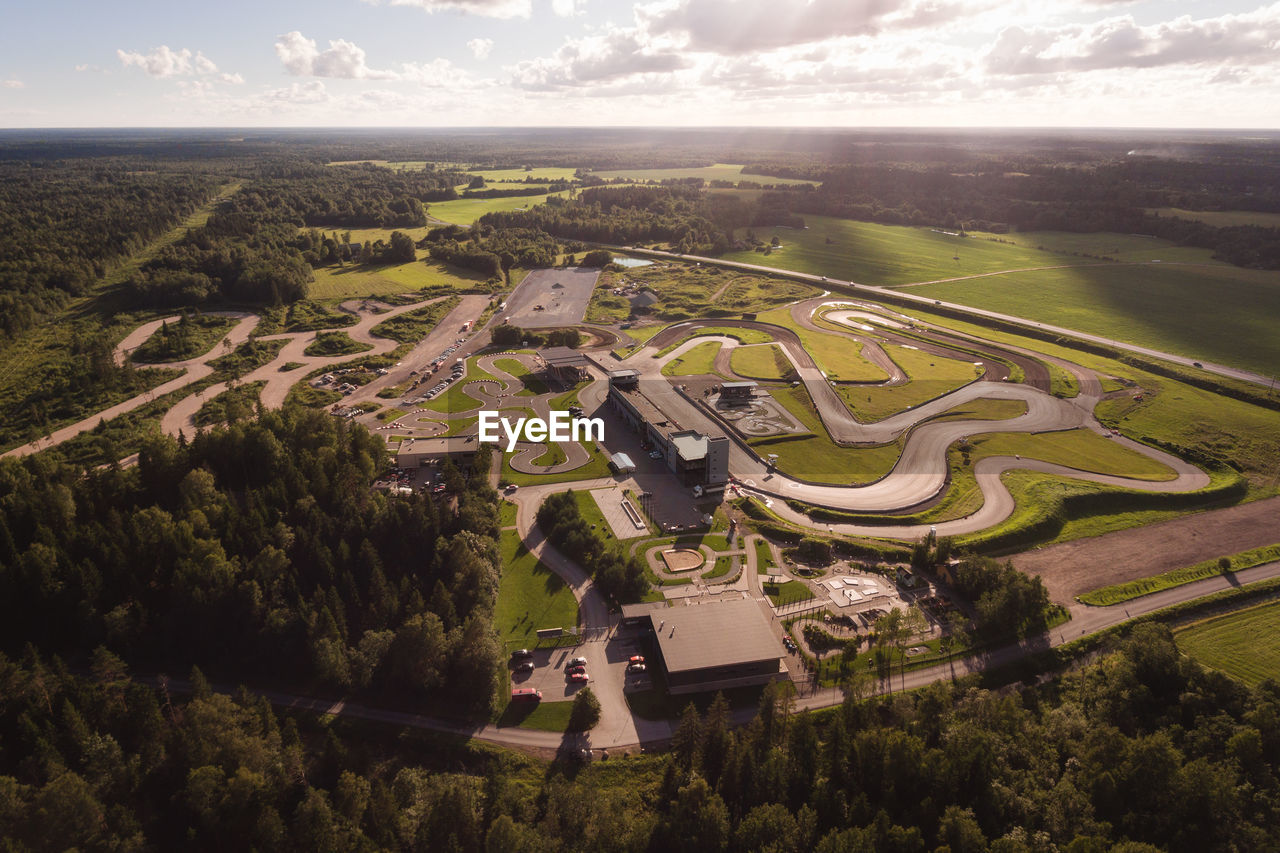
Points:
point(541, 173)
point(335, 343)
point(697, 360)
point(764, 557)
point(543, 716)
point(717, 172)
point(465, 211)
point(597, 466)
point(530, 596)
point(837, 356)
point(1223, 218)
point(1245, 645)
point(1097, 245)
point(356, 280)
point(788, 592)
point(1212, 313)
point(931, 376)
point(1076, 448)
point(767, 363)
point(888, 254)
point(985, 409)
point(815, 457)
point(686, 292)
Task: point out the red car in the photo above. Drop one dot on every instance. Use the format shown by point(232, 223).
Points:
point(575, 670)
point(636, 659)
point(580, 677)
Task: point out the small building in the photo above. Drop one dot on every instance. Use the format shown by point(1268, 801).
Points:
point(717, 646)
point(416, 452)
point(565, 364)
point(644, 299)
point(622, 464)
point(732, 392)
point(628, 378)
point(638, 614)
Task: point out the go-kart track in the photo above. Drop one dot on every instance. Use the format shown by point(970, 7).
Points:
point(919, 476)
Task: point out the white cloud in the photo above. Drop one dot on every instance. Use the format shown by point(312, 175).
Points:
point(484, 8)
point(1115, 43)
point(13, 84)
point(164, 62)
point(568, 8)
point(596, 59)
point(346, 61)
point(480, 48)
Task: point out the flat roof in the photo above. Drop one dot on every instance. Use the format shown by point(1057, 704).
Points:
point(563, 357)
point(449, 444)
point(624, 373)
point(724, 633)
point(690, 445)
point(750, 383)
point(622, 460)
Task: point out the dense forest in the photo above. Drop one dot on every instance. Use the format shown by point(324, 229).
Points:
point(258, 550)
point(1138, 752)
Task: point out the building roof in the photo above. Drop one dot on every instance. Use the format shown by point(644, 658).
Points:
point(426, 448)
point(725, 633)
point(622, 460)
point(750, 383)
point(563, 357)
point(690, 445)
point(625, 373)
point(642, 608)
point(644, 299)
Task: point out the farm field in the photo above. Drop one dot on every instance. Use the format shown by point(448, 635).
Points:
point(1245, 645)
point(386, 280)
point(1213, 313)
point(464, 211)
point(867, 253)
point(1223, 218)
point(541, 173)
point(530, 596)
point(716, 172)
point(1122, 247)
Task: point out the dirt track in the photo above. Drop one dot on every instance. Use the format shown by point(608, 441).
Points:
point(1075, 567)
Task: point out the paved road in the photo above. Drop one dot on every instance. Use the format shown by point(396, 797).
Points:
point(871, 293)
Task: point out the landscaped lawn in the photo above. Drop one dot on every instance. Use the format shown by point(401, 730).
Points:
point(543, 716)
point(696, 360)
point(816, 457)
point(1244, 645)
point(530, 596)
point(767, 363)
point(788, 592)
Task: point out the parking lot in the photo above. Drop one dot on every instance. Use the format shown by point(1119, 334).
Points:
point(551, 298)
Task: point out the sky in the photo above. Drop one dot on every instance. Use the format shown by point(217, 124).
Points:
point(824, 63)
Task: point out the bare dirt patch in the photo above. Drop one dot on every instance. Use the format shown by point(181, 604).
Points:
point(1075, 567)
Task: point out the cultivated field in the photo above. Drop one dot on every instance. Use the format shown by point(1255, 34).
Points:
point(1244, 645)
point(384, 280)
point(873, 254)
point(464, 211)
point(717, 172)
point(542, 173)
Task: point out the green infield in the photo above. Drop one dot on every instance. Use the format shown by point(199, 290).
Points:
point(356, 280)
point(530, 596)
point(186, 338)
point(595, 468)
point(412, 326)
point(985, 409)
point(873, 254)
point(1214, 313)
point(1245, 645)
point(930, 376)
point(767, 362)
point(696, 360)
point(1075, 448)
point(839, 357)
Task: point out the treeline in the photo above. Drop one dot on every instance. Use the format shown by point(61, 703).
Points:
point(258, 551)
point(66, 224)
point(618, 575)
point(516, 191)
point(493, 250)
point(1139, 752)
point(514, 336)
point(674, 214)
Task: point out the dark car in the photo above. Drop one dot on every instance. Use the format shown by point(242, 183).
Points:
point(635, 667)
point(521, 654)
point(524, 666)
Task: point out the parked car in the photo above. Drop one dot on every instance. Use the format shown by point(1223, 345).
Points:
point(524, 666)
point(574, 670)
point(655, 454)
point(580, 677)
point(521, 654)
point(636, 659)
point(635, 667)
point(577, 662)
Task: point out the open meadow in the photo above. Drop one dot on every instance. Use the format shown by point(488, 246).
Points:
point(464, 211)
point(716, 172)
point(357, 280)
point(1245, 645)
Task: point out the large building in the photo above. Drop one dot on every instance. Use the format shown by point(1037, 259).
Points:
point(715, 646)
point(415, 452)
point(695, 458)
